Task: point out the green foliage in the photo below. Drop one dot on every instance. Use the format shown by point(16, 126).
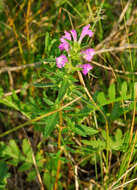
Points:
point(12, 155)
point(95, 138)
point(84, 131)
point(50, 124)
point(116, 142)
point(112, 92)
point(4, 174)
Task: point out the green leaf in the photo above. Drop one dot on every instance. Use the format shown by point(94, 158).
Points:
point(13, 151)
point(43, 85)
point(26, 147)
point(48, 180)
point(62, 90)
point(39, 159)
point(84, 131)
point(118, 135)
point(3, 174)
point(124, 89)
point(47, 100)
point(46, 43)
point(116, 112)
point(1, 91)
point(25, 166)
point(50, 124)
point(9, 102)
point(98, 144)
point(51, 44)
point(27, 150)
point(112, 92)
point(83, 112)
point(31, 175)
point(101, 98)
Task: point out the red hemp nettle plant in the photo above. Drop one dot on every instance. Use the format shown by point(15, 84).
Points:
point(66, 44)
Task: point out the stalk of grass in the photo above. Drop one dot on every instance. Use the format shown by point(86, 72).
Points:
point(19, 43)
point(106, 125)
point(27, 23)
point(59, 149)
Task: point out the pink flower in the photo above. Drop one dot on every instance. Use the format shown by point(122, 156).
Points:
point(86, 68)
point(66, 36)
point(74, 35)
point(64, 44)
point(61, 61)
point(88, 54)
point(85, 32)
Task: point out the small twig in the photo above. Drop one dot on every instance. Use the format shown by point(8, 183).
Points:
point(20, 89)
point(10, 80)
point(124, 11)
point(116, 29)
point(114, 70)
point(121, 48)
point(76, 178)
point(130, 169)
point(17, 68)
point(125, 184)
point(14, 114)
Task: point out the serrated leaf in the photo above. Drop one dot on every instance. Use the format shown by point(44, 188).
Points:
point(25, 166)
point(39, 159)
point(50, 124)
point(112, 92)
point(13, 151)
point(26, 147)
point(84, 131)
point(98, 144)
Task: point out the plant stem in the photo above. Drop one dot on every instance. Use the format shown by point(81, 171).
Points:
point(59, 149)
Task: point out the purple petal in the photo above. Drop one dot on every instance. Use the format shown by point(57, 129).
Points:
point(86, 68)
point(61, 61)
point(85, 31)
point(88, 54)
point(64, 46)
point(67, 36)
point(74, 35)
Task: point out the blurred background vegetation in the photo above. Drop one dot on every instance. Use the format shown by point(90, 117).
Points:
point(29, 36)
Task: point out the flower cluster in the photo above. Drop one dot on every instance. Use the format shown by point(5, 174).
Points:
point(71, 45)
